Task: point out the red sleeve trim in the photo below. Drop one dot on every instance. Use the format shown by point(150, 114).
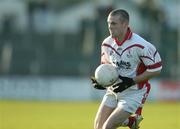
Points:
point(157, 65)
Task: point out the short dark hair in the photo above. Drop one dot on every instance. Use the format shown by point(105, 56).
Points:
point(124, 15)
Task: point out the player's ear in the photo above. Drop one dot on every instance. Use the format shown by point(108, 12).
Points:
point(126, 24)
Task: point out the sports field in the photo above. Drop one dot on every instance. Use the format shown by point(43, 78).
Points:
point(77, 115)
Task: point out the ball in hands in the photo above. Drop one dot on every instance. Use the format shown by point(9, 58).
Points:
point(106, 74)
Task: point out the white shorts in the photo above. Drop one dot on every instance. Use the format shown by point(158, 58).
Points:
point(129, 100)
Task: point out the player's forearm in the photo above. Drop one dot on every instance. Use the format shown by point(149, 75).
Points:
point(145, 76)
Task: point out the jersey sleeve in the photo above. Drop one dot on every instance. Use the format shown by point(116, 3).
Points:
point(104, 55)
point(151, 58)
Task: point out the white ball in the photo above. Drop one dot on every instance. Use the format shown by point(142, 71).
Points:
point(106, 74)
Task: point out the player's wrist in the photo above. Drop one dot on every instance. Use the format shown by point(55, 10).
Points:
point(128, 82)
point(132, 82)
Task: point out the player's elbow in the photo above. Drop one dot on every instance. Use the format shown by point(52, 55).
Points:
point(155, 74)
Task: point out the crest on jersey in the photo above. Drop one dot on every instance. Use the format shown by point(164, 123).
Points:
point(119, 49)
point(129, 55)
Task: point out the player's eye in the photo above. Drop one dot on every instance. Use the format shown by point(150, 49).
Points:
point(111, 24)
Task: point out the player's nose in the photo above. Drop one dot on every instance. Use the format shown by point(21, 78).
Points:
point(110, 26)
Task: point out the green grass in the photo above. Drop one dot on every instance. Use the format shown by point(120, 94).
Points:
point(78, 115)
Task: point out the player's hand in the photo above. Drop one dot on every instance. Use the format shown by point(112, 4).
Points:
point(96, 85)
point(122, 84)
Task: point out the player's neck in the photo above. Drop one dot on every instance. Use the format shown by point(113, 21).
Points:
point(121, 37)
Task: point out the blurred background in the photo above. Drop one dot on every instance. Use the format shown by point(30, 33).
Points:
point(50, 48)
point(46, 43)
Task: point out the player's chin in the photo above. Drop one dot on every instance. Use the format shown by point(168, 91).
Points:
point(113, 36)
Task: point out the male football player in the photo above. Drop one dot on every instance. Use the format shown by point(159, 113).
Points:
point(137, 61)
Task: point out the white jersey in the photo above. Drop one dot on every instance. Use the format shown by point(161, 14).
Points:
point(132, 56)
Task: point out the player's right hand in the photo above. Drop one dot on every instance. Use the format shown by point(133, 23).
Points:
point(96, 85)
point(122, 84)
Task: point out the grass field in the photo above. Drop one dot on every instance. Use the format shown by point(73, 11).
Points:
point(78, 115)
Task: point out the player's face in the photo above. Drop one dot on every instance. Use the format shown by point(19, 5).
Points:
point(116, 27)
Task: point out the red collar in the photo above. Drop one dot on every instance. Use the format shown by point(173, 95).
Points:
point(127, 36)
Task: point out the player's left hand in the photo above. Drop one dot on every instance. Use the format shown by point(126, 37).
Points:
point(96, 85)
point(122, 84)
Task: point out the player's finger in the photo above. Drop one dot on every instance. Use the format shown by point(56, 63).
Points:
point(93, 79)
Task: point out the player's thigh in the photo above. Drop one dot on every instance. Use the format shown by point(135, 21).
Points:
point(107, 106)
point(102, 115)
point(117, 117)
